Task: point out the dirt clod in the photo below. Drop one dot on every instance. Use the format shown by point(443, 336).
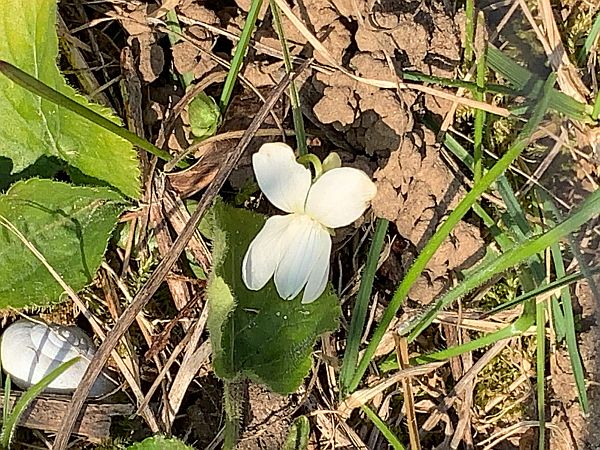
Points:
point(416, 191)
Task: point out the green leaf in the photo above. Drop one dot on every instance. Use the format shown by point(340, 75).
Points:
point(70, 226)
point(204, 115)
point(297, 438)
point(160, 443)
point(256, 333)
point(32, 127)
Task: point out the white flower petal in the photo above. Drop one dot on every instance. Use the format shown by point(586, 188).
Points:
point(340, 196)
point(319, 274)
point(263, 253)
point(301, 247)
point(284, 181)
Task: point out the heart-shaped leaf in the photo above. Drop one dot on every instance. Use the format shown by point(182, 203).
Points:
point(256, 333)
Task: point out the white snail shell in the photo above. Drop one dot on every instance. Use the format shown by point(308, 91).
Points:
point(31, 350)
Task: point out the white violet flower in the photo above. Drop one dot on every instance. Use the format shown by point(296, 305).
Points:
point(295, 248)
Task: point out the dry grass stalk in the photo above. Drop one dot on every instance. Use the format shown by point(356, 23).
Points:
point(409, 401)
point(364, 396)
point(180, 292)
point(196, 355)
point(568, 76)
point(463, 384)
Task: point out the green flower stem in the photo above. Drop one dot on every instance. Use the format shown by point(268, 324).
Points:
point(233, 401)
point(314, 161)
point(294, 97)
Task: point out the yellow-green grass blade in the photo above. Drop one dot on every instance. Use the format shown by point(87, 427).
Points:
point(383, 428)
point(9, 425)
point(240, 52)
point(359, 313)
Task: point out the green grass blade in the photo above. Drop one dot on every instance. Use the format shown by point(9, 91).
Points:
point(533, 273)
point(480, 115)
point(516, 75)
point(515, 218)
point(175, 33)
point(530, 86)
point(6, 403)
point(569, 331)
point(596, 110)
point(558, 319)
point(463, 155)
point(455, 147)
point(294, 97)
point(35, 86)
point(8, 427)
point(444, 231)
point(469, 30)
point(577, 253)
point(492, 88)
point(588, 209)
point(240, 52)
point(590, 40)
point(567, 280)
point(540, 356)
point(359, 313)
point(383, 428)
point(567, 312)
point(516, 328)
